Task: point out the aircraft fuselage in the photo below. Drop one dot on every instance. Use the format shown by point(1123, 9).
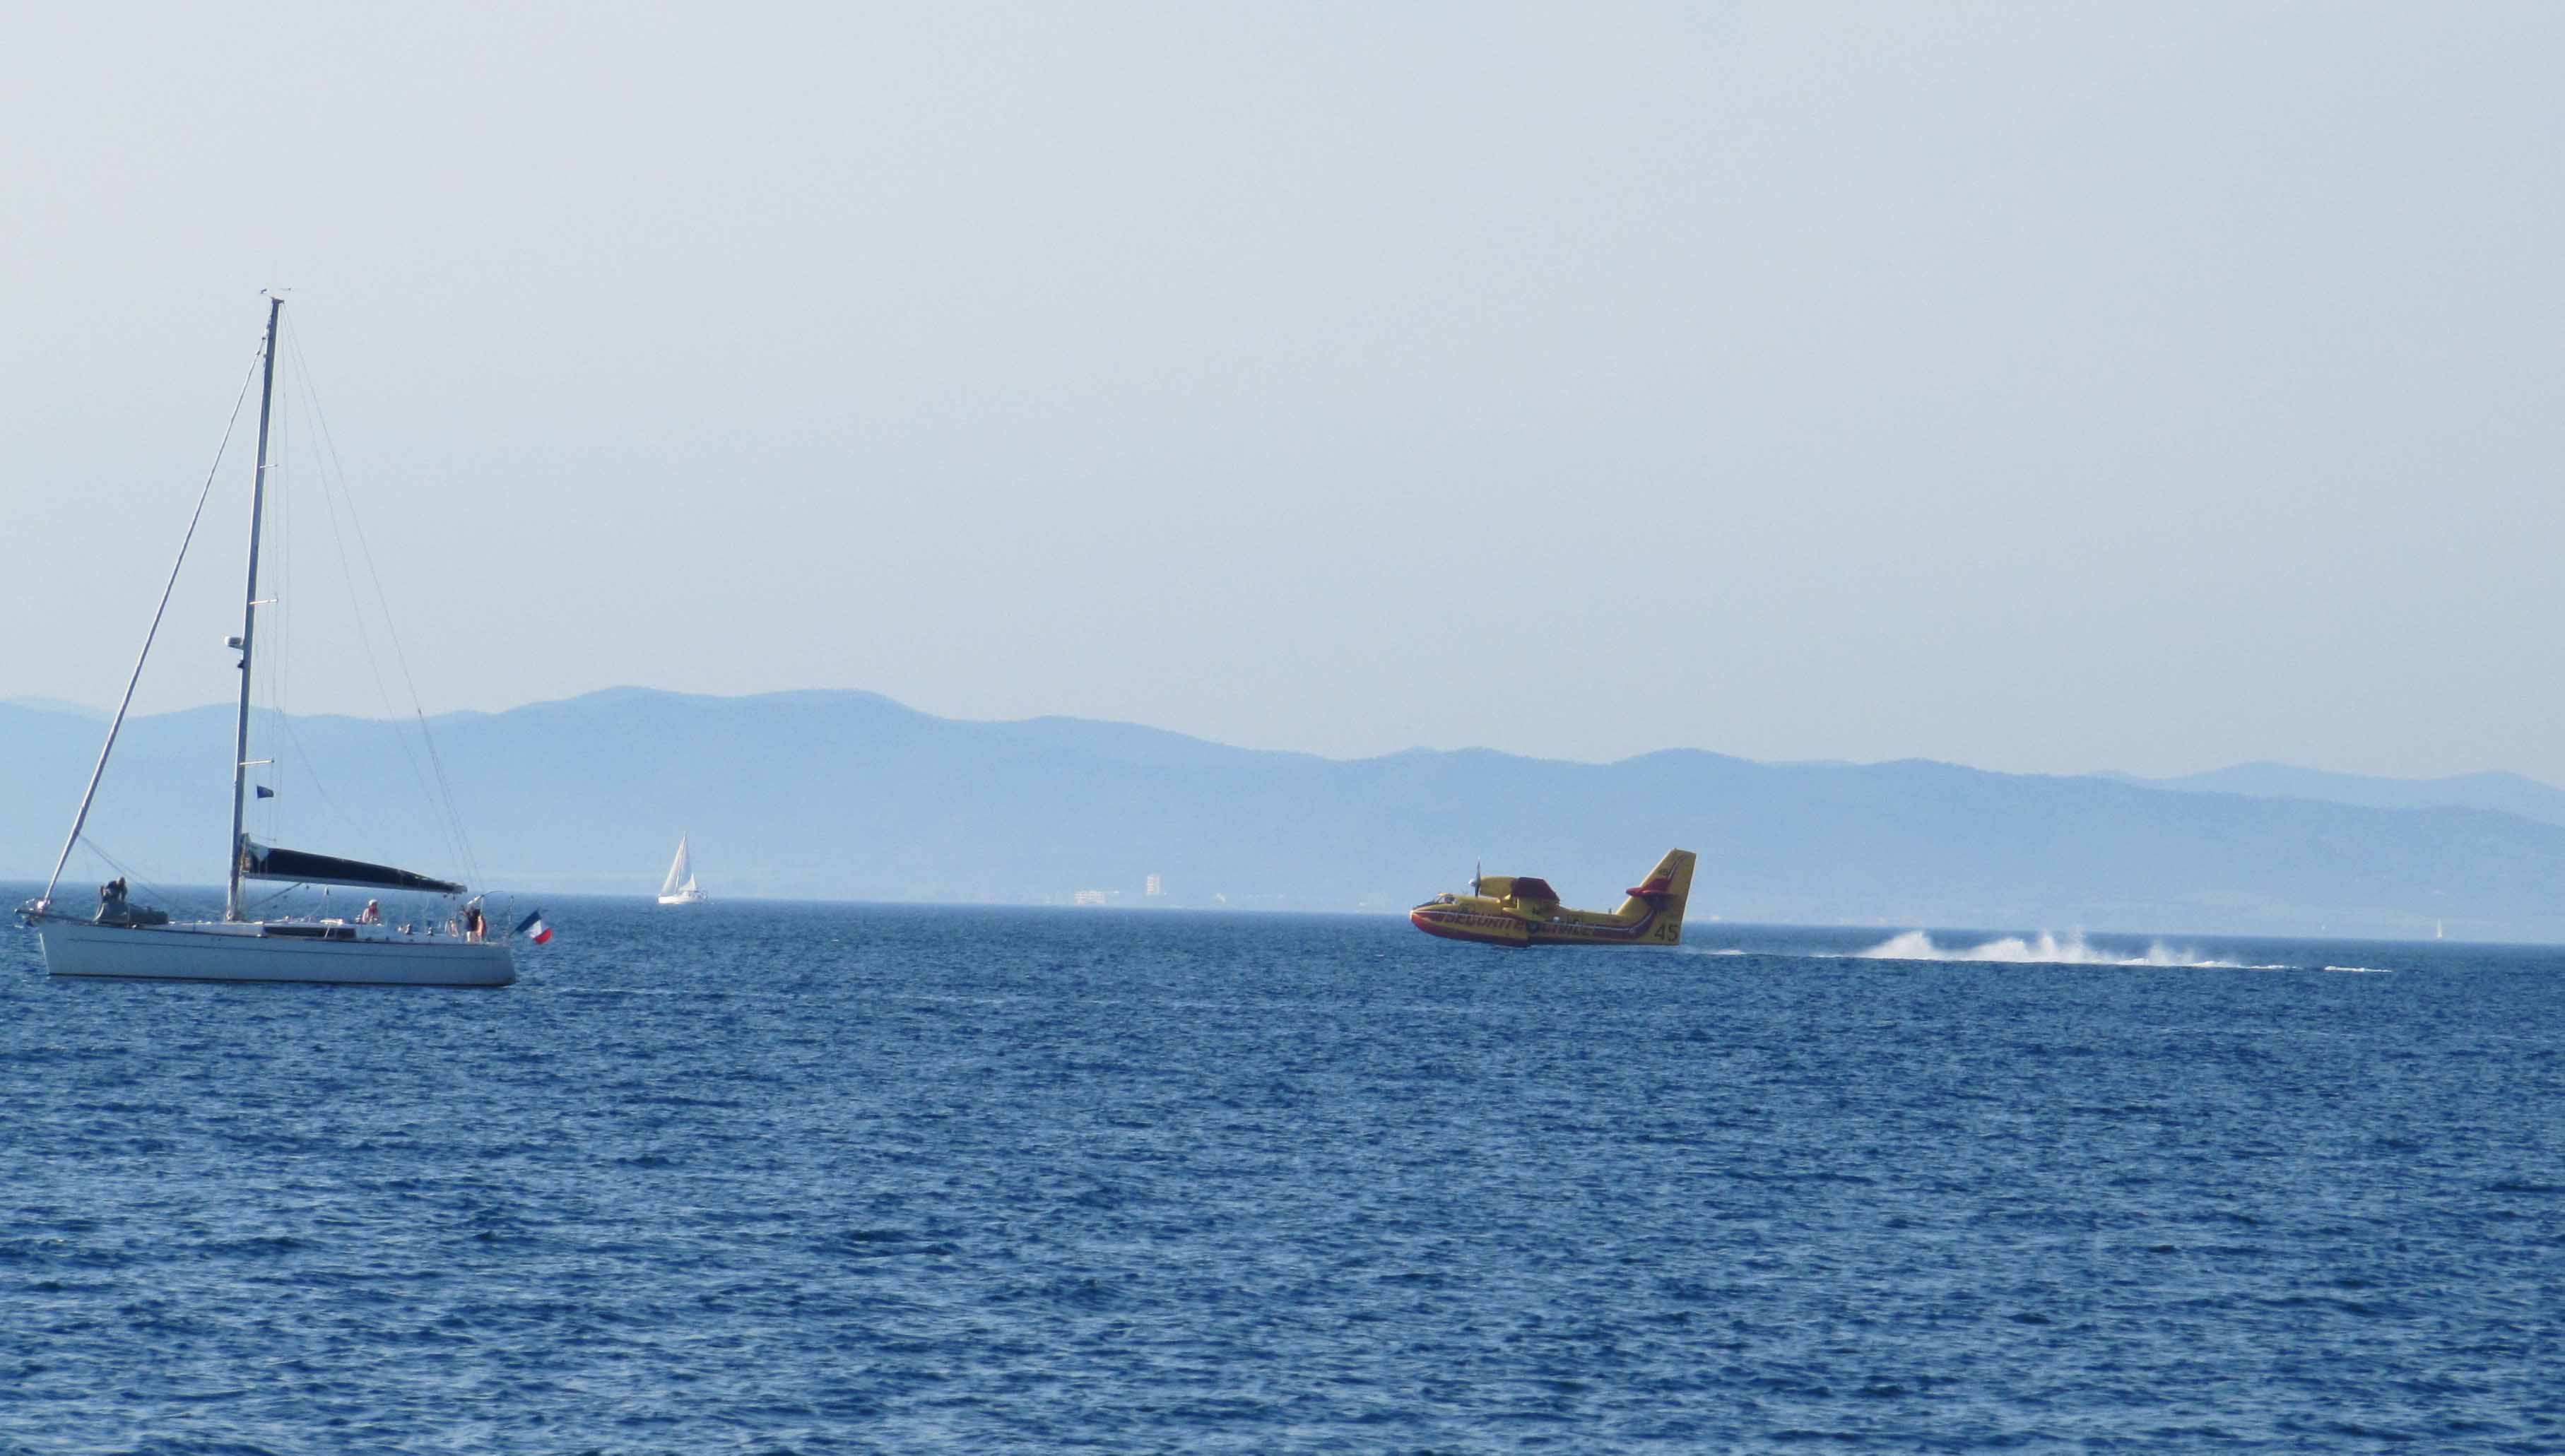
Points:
point(1486, 921)
point(1520, 909)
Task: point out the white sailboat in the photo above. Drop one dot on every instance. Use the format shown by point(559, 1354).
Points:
point(680, 887)
point(127, 942)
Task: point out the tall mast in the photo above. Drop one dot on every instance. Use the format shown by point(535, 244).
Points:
point(249, 614)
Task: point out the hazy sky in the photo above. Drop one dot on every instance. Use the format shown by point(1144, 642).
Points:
point(2038, 387)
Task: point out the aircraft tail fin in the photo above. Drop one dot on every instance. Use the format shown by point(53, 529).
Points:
point(1664, 890)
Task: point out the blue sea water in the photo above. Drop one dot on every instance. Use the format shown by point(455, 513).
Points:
point(815, 1179)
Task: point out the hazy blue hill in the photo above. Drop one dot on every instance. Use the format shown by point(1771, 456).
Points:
point(854, 795)
point(2508, 794)
point(55, 705)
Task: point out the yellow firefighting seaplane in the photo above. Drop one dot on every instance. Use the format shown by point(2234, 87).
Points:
point(1517, 910)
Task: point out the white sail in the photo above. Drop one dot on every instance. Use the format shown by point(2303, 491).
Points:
point(679, 888)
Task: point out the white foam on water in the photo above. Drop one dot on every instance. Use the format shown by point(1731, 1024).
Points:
point(2045, 949)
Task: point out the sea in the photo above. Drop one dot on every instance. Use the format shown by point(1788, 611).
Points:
point(768, 1177)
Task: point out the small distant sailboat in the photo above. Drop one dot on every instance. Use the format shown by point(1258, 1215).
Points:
point(680, 887)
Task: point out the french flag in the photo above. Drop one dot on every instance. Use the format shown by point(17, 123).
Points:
point(532, 926)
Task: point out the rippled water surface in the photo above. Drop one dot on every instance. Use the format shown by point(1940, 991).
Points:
point(848, 1179)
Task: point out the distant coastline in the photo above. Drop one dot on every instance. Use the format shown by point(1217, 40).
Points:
point(850, 795)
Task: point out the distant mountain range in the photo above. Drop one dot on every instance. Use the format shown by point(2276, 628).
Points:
point(2507, 793)
point(56, 704)
point(850, 795)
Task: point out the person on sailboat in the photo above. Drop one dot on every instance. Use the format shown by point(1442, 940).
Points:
point(112, 909)
point(472, 922)
point(372, 915)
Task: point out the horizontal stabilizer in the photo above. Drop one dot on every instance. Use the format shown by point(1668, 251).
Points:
point(258, 862)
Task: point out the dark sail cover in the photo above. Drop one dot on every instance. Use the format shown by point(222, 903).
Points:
point(258, 862)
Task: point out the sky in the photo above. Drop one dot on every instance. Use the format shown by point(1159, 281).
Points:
point(2037, 387)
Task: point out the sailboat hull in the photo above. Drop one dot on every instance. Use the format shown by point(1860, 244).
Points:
point(688, 896)
point(243, 953)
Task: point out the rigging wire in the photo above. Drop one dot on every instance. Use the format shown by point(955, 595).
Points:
point(276, 621)
point(284, 523)
point(305, 760)
point(247, 910)
point(374, 668)
point(80, 819)
point(459, 840)
point(163, 897)
point(440, 795)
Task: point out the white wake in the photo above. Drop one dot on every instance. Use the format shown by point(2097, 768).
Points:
point(2045, 949)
